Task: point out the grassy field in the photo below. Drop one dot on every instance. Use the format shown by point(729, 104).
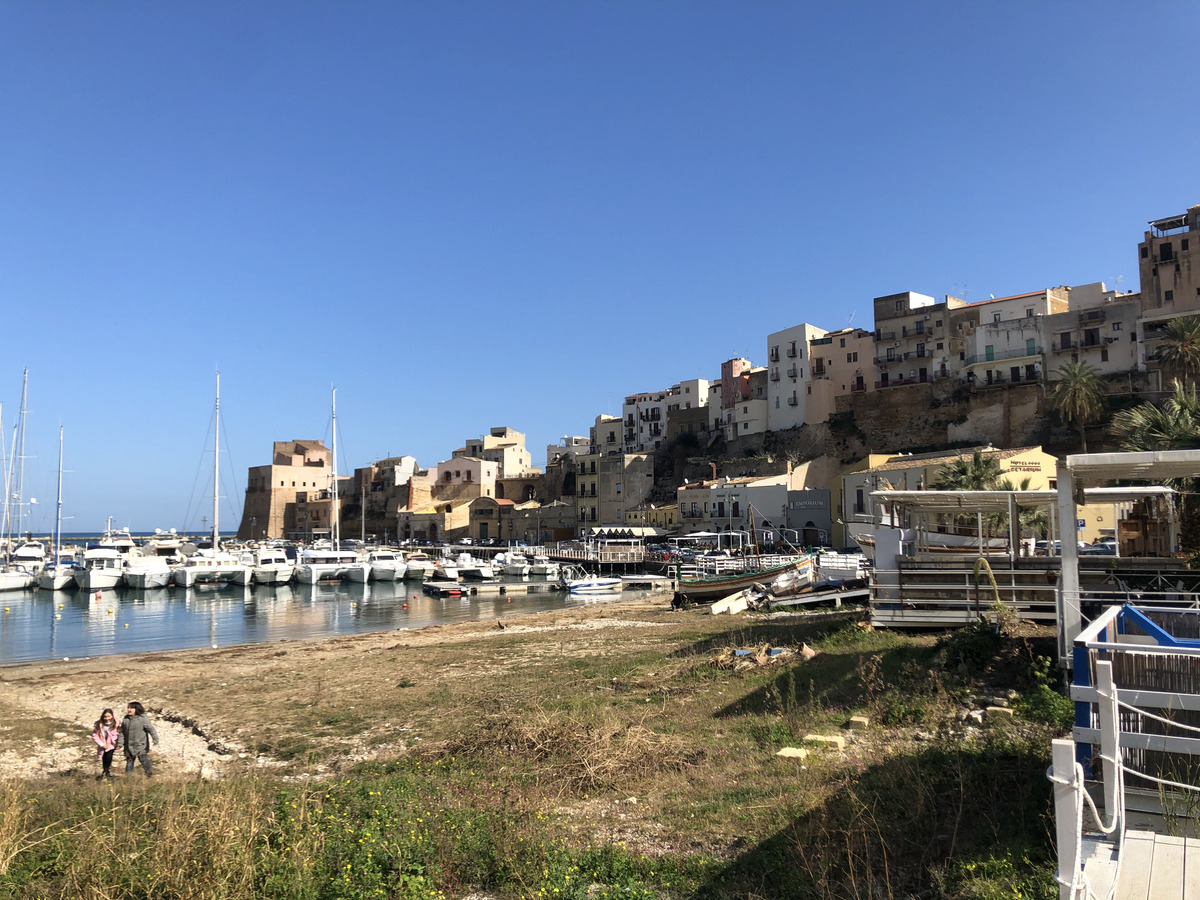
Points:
point(610, 752)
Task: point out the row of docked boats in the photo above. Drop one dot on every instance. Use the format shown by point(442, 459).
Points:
point(117, 562)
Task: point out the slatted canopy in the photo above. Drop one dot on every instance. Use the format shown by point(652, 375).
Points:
point(1157, 465)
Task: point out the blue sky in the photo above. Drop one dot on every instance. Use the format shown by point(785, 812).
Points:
point(475, 214)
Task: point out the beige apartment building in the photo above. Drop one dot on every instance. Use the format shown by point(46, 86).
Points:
point(841, 362)
point(505, 447)
point(289, 498)
point(1169, 269)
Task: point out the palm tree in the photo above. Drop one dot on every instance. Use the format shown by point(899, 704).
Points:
point(1078, 396)
point(1173, 426)
point(976, 473)
point(1180, 348)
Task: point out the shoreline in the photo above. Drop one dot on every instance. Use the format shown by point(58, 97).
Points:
point(47, 706)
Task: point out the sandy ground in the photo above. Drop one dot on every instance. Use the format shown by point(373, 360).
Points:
point(47, 708)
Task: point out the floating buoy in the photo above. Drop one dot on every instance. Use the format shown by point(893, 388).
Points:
point(126, 624)
point(6, 609)
point(58, 617)
point(404, 606)
point(509, 600)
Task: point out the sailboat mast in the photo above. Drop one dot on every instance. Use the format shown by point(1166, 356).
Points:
point(216, 466)
point(21, 457)
point(58, 512)
point(337, 522)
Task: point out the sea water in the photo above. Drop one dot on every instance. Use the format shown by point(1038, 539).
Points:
point(42, 625)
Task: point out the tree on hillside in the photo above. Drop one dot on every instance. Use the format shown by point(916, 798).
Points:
point(1180, 348)
point(1175, 425)
point(974, 473)
point(1078, 396)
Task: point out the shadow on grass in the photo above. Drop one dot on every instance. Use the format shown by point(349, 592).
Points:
point(955, 813)
point(829, 681)
point(774, 633)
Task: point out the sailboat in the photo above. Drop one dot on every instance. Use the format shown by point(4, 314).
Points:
point(15, 576)
point(212, 566)
point(56, 576)
point(334, 563)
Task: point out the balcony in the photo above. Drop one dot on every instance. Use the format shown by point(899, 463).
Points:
point(791, 373)
point(818, 371)
point(774, 354)
point(774, 374)
point(792, 401)
point(791, 352)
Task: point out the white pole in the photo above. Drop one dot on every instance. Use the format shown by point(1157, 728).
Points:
point(1110, 750)
point(1066, 814)
point(216, 534)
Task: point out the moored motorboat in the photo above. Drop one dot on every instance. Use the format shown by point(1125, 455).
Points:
point(386, 565)
point(272, 566)
point(144, 573)
point(542, 565)
point(325, 565)
point(517, 565)
point(209, 567)
point(594, 584)
point(418, 566)
point(101, 567)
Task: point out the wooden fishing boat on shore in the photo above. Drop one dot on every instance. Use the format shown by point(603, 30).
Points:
point(706, 587)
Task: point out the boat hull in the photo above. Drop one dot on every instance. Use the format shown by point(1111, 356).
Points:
point(717, 587)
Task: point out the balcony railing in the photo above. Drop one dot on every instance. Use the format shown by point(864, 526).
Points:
point(998, 357)
point(775, 375)
point(792, 401)
point(791, 351)
point(791, 373)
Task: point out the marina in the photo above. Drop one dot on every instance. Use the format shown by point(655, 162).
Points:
point(40, 625)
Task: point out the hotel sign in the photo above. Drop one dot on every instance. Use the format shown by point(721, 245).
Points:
point(1024, 465)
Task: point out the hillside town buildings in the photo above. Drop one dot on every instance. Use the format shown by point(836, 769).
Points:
point(973, 354)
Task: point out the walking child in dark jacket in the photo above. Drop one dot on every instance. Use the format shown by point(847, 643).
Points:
point(136, 732)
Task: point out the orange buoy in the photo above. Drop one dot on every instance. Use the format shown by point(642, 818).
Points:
point(405, 606)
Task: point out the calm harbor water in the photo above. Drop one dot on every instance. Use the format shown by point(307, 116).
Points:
point(40, 625)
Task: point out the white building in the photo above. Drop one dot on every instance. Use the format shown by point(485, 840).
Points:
point(788, 375)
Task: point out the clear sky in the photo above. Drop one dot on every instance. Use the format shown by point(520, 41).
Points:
point(516, 213)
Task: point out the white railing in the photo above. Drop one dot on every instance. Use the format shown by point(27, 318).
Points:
point(1068, 776)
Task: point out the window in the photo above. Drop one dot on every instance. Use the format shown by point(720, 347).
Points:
point(1015, 373)
point(989, 352)
point(1145, 252)
point(618, 487)
point(938, 345)
point(1183, 245)
point(995, 317)
point(1029, 313)
point(848, 357)
point(1029, 347)
point(1168, 296)
point(843, 342)
point(891, 353)
point(1116, 326)
point(858, 501)
point(1103, 354)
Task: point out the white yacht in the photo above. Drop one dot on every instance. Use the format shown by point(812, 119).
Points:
point(543, 565)
point(15, 578)
point(209, 567)
point(101, 567)
point(31, 555)
point(326, 565)
point(271, 566)
point(147, 572)
point(475, 569)
point(418, 566)
point(386, 565)
point(517, 565)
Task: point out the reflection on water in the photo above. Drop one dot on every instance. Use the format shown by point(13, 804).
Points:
point(39, 625)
